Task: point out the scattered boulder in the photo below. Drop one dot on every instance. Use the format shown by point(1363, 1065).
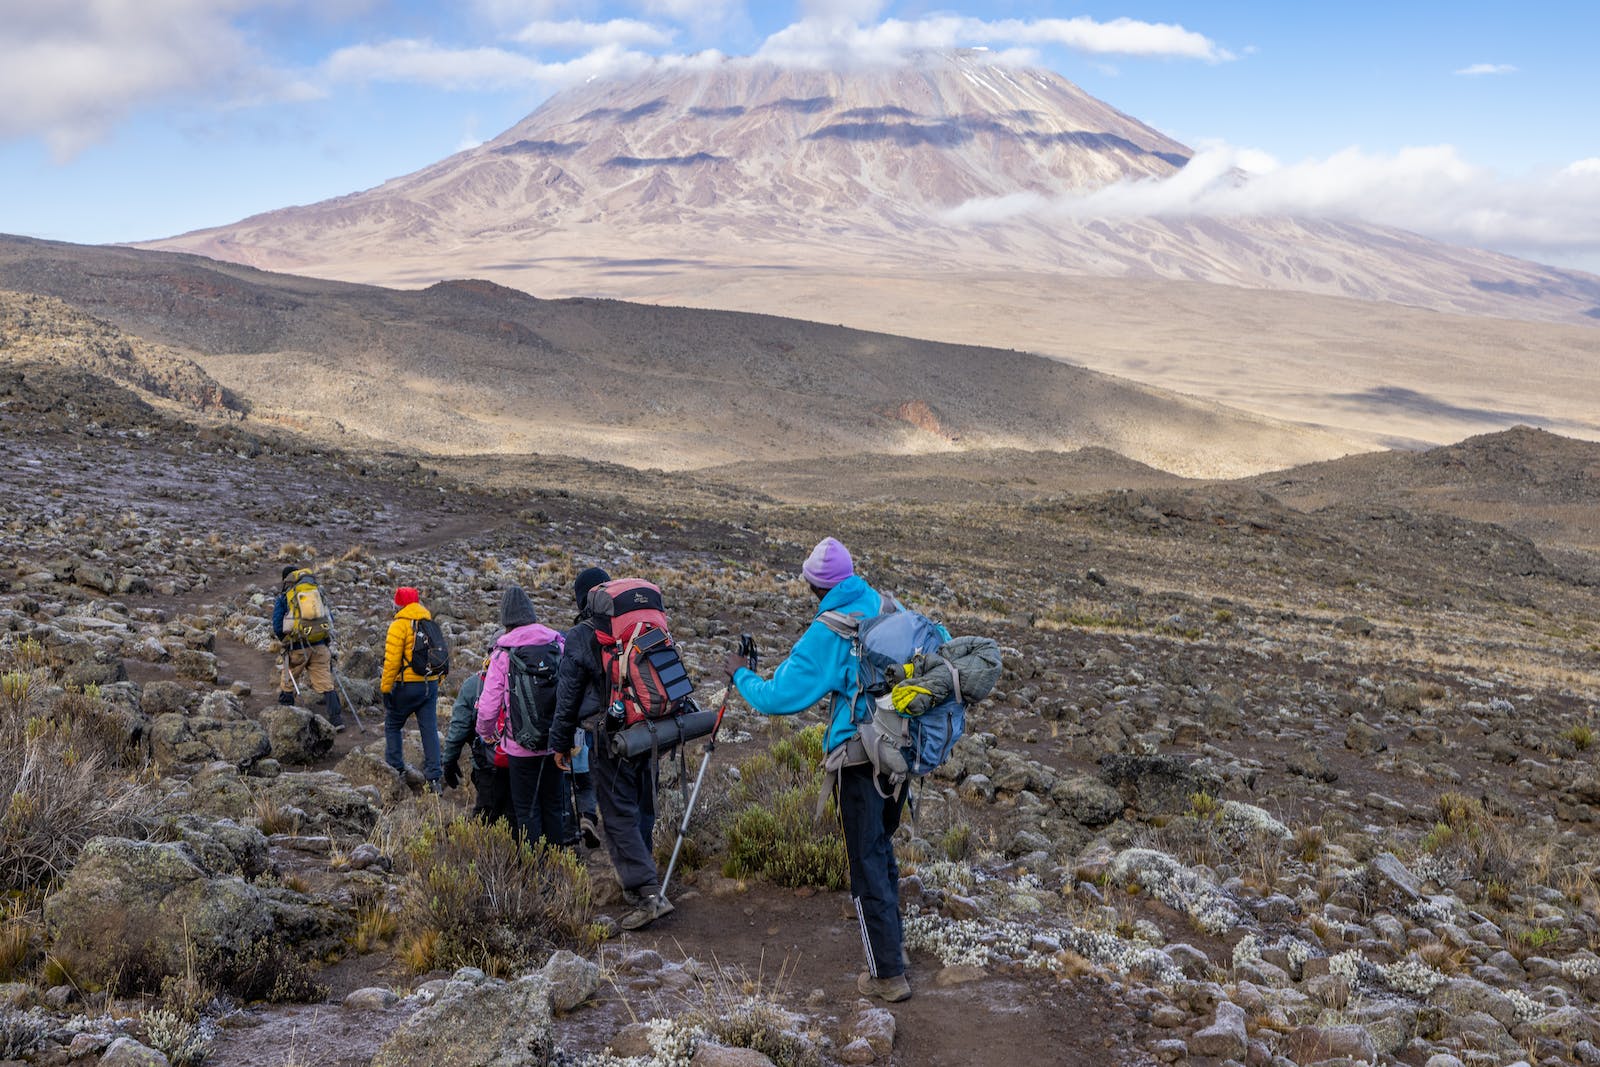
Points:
point(297, 735)
point(371, 998)
point(1225, 1038)
point(1087, 799)
point(486, 1024)
point(1312, 1044)
point(323, 802)
point(1158, 784)
point(126, 1052)
point(136, 907)
point(572, 979)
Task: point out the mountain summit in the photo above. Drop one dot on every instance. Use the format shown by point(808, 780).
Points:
point(750, 165)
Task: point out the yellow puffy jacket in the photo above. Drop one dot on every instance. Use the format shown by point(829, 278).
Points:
point(397, 647)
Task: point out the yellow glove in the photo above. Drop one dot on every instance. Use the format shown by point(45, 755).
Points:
point(903, 694)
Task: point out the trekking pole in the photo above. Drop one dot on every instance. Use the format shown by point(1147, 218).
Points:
point(288, 668)
point(361, 727)
point(747, 649)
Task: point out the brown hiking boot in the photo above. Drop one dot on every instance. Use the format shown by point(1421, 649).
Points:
point(651, 907)
point(892, 990)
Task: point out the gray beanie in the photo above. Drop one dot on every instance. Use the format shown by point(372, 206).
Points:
point(516, 609)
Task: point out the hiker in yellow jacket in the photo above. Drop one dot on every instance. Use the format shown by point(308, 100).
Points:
point(407, 693)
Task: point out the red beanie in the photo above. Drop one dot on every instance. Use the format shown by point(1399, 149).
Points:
point(405, 595)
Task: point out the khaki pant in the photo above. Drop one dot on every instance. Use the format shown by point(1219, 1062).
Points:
point(316, 660)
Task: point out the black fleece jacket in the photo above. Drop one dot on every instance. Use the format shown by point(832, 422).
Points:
point(582, 690)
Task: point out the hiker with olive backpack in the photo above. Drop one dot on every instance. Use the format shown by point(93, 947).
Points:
point(515, 711)
point(415, 658)
point(303, 624)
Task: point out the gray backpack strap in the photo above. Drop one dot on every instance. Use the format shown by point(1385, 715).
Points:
point(846, 626)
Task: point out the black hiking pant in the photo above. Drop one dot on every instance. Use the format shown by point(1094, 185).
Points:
point(626, 792)
point(869, 822)
point(538, 797)
point(494, 794)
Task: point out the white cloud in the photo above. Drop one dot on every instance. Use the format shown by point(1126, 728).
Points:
point(424, 63)
point(1428, 190)
point(1479, 69)
point(821, 41)
point(73, 70)
point(573, 33)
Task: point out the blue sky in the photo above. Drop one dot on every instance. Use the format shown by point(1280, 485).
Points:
point(128, 119)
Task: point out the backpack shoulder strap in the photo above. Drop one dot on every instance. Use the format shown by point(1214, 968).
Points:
point(846, 626)
point(408, 652)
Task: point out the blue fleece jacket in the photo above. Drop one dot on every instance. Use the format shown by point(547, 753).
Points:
point(819, 664)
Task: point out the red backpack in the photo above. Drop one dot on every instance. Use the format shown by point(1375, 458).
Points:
point(641, 662)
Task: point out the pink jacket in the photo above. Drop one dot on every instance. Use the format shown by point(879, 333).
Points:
point(493, 698)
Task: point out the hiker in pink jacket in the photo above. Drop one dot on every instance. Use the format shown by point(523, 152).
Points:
point(522, 680)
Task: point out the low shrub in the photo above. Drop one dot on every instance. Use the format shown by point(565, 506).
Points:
point(771, 827)
point(265, 970)
point(782, 841)
point(474, 896)
point(64, 778)
point(182, 1041)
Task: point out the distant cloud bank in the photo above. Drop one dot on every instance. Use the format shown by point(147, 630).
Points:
point(1480, 69)
point(1428, 190)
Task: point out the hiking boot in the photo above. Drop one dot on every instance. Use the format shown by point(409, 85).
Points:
point(893, 990)
point(651, 907)
point(591, 834)
point(631, 897)
point(334, 713)
point(285, 698)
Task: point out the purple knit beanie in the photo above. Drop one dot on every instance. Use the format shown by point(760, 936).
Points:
point(828, 565)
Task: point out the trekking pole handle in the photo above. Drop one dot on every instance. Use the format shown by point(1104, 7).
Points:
point(747, 649)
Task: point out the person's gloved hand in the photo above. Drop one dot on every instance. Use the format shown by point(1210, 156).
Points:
point(452, 774)
point(388, 701)
point(903, 694)
point(732, 663)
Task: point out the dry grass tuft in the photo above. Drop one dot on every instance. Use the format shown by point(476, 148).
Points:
point(63, 780)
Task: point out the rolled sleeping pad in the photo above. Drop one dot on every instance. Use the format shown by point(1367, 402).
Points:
point(651, 734)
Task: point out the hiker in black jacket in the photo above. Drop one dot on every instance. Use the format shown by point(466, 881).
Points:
point(625, 788)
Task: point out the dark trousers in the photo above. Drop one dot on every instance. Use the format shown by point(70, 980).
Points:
point(494, 794)
point(626, 792)
point(405, 700)
point(538, 795)
point(869, 822)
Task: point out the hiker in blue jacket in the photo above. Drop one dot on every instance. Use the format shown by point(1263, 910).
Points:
point(821, 663)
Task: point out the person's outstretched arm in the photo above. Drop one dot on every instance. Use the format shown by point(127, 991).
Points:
point(811, 671)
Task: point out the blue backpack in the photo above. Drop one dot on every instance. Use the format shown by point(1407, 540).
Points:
point(887, 649)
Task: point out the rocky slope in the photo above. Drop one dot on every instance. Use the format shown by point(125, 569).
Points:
point(468, 367)
point(1259, 784)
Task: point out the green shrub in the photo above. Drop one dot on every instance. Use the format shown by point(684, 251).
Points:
point(956, 843)
point(476, 897)
point(1581, 736)
point(783, 842)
